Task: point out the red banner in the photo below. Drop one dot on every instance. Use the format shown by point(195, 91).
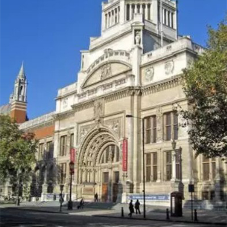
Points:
point(125, 155)
point(72, 155)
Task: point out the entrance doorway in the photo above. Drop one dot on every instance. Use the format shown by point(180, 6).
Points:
point(105, 187)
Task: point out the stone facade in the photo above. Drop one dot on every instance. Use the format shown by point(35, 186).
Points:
point(130, 75)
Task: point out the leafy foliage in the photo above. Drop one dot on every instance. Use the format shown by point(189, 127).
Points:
point(17, 150)
point(205, 85)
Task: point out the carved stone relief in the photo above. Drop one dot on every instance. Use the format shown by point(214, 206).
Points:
point(114, 125)
point(159, 123)
point(169, 67)
point(106, 71)
point(84, 131)
point(149, 74)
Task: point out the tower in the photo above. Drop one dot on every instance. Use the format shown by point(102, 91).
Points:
point(18, 98)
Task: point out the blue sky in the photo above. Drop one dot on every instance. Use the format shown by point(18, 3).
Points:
point(49, 34)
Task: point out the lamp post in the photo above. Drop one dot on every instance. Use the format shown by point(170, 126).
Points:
point(71, 170)
point(143, 142)
point(61, 196)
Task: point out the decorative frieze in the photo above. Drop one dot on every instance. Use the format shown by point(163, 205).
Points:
point(120, 82)
point(163, 85)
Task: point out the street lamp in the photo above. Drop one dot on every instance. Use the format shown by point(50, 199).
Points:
point(143, 142)
point(71, 170)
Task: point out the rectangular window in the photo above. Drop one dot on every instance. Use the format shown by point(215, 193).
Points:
point(62, 173)
point(165, 16)
point(168, 165)
point(49, 150)
point(213, 164)
point(175, 125)
point(178, 166)
point(41, 151)
point(150, 129)
point(63, 145)
point(148, 167)
point(72, 140)
point(143, 7)
point(149, 11)
point(105, 177)
point(116, 177)
point(206, 168)
point(155, 166)
point(170, 126)
point(171, 20)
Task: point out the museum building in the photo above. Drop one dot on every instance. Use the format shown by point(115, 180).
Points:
point(123, 114)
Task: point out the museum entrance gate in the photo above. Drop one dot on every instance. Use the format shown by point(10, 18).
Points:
point(99, 166)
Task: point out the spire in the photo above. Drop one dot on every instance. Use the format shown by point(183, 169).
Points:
point(21, 72)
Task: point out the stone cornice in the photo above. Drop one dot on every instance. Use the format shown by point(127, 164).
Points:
point(162, 85)
point(127, 91)
point(60, 116)
point(110, 39)
point(66, 95)
point(38, 126)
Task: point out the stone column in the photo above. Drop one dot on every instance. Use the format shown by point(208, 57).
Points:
point(136, 61)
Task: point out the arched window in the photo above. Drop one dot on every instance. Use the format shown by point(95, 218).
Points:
point(110, 154)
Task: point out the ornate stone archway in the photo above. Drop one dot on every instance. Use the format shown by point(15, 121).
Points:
point(99, 165)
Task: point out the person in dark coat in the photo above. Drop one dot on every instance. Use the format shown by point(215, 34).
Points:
point(137, 206)
point(96, 197)
point(81, 205)
point(131, 209)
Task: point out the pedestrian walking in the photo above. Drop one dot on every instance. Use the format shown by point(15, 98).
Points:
point(131, 209)
point(81, 205)
point(137, 206)
point(96, 197)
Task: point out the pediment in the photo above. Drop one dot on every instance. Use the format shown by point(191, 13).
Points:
point(106, 71)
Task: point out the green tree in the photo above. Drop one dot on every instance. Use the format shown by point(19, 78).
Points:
point(17, 151)
point(205, 86)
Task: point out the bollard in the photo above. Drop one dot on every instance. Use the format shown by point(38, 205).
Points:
point(122, 212)
point(195, 215)
point(167, 214)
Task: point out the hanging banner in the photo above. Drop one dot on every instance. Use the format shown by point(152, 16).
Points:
point(72, 155)
point(125, 155)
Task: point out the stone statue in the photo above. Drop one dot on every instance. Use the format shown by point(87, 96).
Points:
point(137, 38)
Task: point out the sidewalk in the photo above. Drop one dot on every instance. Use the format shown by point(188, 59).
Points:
point(153, 213)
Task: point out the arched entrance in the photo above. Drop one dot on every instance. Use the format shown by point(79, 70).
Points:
point(99, 166)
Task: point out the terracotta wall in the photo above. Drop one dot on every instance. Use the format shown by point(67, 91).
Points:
point(43, 132)
point(18, 115)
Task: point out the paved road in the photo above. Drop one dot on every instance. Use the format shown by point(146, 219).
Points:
point(10, 217)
